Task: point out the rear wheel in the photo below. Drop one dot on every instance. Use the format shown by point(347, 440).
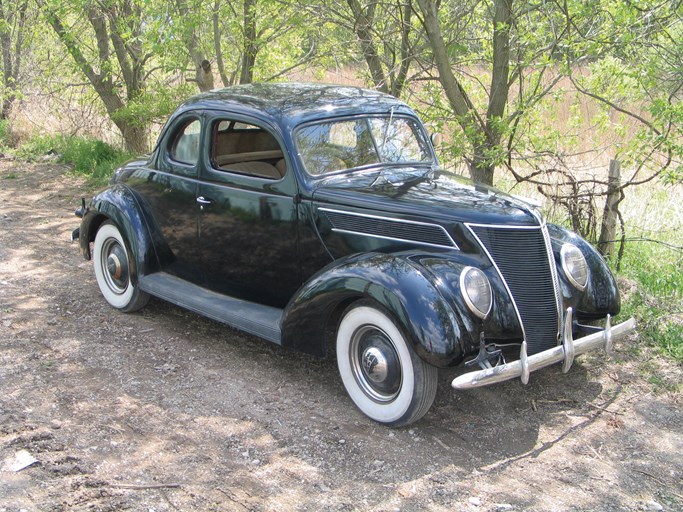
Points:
point(381, 372)
point(113, 270)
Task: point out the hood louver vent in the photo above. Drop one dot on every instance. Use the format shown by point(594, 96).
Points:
point(389, 229)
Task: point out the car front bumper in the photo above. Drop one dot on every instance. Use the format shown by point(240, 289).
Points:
point(564, 353)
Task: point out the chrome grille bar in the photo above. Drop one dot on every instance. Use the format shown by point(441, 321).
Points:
point(521, 256)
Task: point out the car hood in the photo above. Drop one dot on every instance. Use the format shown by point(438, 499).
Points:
point(425, 193)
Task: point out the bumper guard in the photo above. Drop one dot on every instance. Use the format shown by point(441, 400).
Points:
point(564, 353)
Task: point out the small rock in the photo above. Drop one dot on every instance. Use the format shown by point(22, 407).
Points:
point(342, 441)
point(324, 488)
point(55, 425)
point(503, 506)
point(476, 501)
point(653, 505)
point(378, 463)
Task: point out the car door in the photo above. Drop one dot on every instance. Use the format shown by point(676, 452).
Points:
point(249, 208)
point(170, 192)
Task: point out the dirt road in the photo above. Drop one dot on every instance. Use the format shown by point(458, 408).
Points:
point(165, 410)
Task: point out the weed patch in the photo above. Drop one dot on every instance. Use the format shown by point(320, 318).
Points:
point(89, 157)
point(657, 298)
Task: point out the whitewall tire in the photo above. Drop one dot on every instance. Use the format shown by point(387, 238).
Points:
point(113, 270)
point(381, 372)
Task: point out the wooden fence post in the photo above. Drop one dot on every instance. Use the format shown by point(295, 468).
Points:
point(608, 229)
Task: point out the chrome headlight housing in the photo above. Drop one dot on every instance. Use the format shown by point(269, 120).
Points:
point(574, 266)
point(476, 290)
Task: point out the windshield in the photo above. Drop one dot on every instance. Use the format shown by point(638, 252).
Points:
point(347, 144)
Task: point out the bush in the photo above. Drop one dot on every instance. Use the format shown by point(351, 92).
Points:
point(89, 157)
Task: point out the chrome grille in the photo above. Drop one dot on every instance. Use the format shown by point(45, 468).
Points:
point(522, 258)
point(389, 229)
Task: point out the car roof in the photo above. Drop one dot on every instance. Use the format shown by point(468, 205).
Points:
point(292, 103)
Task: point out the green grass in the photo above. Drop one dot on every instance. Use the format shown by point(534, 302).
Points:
point(91, 158)
point(653, 261)
point(6, 136)
point(656, 301)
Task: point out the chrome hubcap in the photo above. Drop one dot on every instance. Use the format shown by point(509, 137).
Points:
point(375, 364)
point(115, 264)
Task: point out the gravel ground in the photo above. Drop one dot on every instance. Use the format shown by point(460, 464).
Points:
point(165, 410)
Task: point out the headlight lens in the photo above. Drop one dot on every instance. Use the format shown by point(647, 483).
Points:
point(574, 266)
point(476, 290)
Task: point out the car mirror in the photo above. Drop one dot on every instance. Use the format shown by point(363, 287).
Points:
point(436, 139)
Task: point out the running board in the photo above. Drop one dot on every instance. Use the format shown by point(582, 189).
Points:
point(256, 319)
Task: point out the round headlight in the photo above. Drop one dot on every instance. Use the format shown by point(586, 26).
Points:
point(476, 291)
point(574, 266)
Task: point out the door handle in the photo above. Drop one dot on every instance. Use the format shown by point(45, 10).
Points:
point(202, 200)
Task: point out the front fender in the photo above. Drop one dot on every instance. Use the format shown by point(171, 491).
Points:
point(397, 283)
point(601, 296)
point(119, 204)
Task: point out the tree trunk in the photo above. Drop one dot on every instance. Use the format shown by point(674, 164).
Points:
point(11, 41)
point(127, 55)
point(363, 29)
point(454, 93)
point(250, 43)
point(608, 229)
point(218, 50)
point(398, 82)
point(481, 169)
point(134, 137)
point(483, 134)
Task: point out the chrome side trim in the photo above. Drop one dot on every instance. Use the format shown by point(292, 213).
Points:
point(556, 279)
point(398, 221)
point(562, 353)
point(495, 265)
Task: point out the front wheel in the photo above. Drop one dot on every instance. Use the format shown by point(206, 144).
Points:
point(113, 270)
point(382, 374)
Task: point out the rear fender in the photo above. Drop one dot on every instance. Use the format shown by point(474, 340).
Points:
point(395, 282)
point(120, 205)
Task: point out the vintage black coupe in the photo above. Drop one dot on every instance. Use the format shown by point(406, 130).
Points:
point(306, 213)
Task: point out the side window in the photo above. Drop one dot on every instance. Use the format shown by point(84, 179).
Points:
point(247, 149)
point(185, 147)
